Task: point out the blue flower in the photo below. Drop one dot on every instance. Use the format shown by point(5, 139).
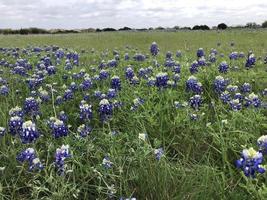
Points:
point(59, 129)
point(60, 156)
point(105, 109)
point(245, 88)
point(262, 143)
point(129, 73)
point(15, 125)
point(225, 97)
point(4, 90)
point(168, 55)
point(233, 56)
point(29, 155)
point(86, 112)
point(162, 80)
point(212, 58)
point(235, 104)
point(139, 57)
point(201, 61)
point(251, 61)
point(158, 153)
point(17, 111)
point(154, 49)
point(31, 106)
point(107, 163)
point(63, 116)
point(29, 132)
point(250, 162)
point(193, 85)
point(86, 84)
point(252, 99)
point(136, 103)
point(2, 131)
point(223, 67)
point(68, 95)
point(219, 84)
point(194, 67)
point(103, 74)
point(84, 130)
point(200, 53)
point(178, 54)
point(111, 93)
point(116, 83)
point(195, 101)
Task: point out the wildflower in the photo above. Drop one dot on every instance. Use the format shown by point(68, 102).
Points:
point(219, 84)
point(86, 84)
point(60, 156)
point(161, 80)
point(84, 130)
point(250, 162)
point(154, 49)
point(29, 155)
point(59, 129)
point(253, 99)
point(63, 116)
point(245, 88)
point(105, 109)
point(201, 61)
point(200, 53)
point(251, 60)
point(193, 85)
point(235, 104)
point(4, 90)
point(86, 112)
point(142, 136)
point(103, 74)
point(234, 55)
point(15, 125)
point(68, 95)
point(168, 55)
point(111, 93)
point(195, 101)
point(107, 163)
point(17, 111)
point(158, 153)
point(223, 67)
point(262, 143)
point(116, 83)
point(31, 106)
point(2, 131)
point(29, 132)
point(136, 103)
point(194, 67)
point(129, 73)
point(178, 54)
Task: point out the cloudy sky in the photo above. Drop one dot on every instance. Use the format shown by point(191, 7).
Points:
point(132, 13)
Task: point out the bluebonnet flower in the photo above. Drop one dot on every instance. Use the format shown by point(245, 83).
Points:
point(193, 85)
point(86, 84)
point(161, 79)
point(136, 103)
point(262, 144)
point(194, 67)
point(4, 90)
point(139, 57)
point(59, 129)
point(238, 96)
point(201, 61)
point(219, 84)
point(60, 156)
point(116, 83)
point(17, 111)
point(245, 88)
point(251, 61)
point(134, 80)
point(232, 88)
point(154, 49)
point(252, 99)
point(2, 131)
point(29, 155)
point(151, 81)
point(200, 53)
point(194, 116)
point(158, 153)
point(235, 104)
point(97, 94)
point(59, 100)
point(103, 74)
point(264, 92)
point(86, 112)
point(176, 78)
point(29, 132)
point(111, 93)
point(63, 116)
point(212, 58)
point(176, 68)
point(168, 55)
point(126, 56)
point(51, 70)
point(241, 55)
point(106, 162)
point(169, 63)
point(84, 130)
point(44, 95)
point(250, 162)
point(234, 55)
point(31, 106)
point(105, 109)
point(225, 97)
point(195, 101)
point(73, 86)
point(15, 125)
point(223, 67)
point(68, 95)
point(129, 73)
point(178, 54)
point(96, 77)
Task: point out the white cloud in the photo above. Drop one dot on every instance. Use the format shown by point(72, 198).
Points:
point(133, 13)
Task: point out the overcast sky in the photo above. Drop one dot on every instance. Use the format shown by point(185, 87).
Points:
point(132, 13)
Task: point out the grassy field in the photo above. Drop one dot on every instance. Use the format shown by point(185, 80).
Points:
point(199, 155)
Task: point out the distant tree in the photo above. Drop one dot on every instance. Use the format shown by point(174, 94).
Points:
point(159, 28)
point(176, 27)
point(251, 25)
point(151, 28)
point(24, 31)
point(125, 29)
point(185, 28)
point(108, 29)
point(98, 30)
point(201, 27)
point(264, 24)
point(222, 26)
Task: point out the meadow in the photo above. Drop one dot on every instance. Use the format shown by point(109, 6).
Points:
point(117, 116)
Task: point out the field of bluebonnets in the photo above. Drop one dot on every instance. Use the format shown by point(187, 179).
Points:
point(134, 116)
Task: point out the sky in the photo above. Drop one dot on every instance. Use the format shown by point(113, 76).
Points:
point(72, 14)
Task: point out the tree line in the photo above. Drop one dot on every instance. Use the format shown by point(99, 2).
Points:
point(221, 26)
